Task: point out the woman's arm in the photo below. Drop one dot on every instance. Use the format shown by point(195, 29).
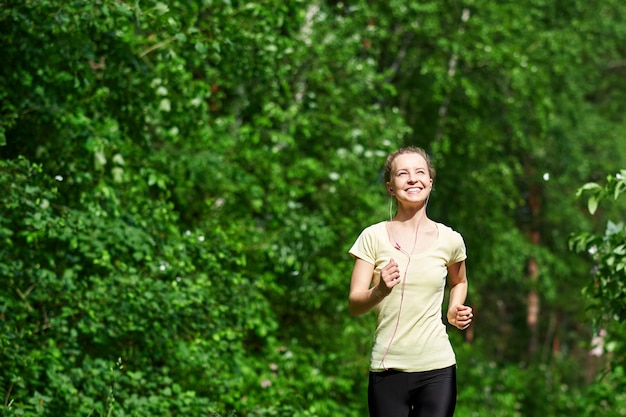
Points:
point(363, 297)
point(459, 315)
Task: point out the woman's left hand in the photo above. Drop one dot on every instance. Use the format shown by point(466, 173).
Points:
point(460, 316)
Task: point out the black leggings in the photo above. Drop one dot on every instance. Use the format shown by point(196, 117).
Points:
point(412, 394)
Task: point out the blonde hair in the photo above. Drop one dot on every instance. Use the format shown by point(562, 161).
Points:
point(409, 149)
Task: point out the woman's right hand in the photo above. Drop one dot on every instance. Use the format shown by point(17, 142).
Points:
point(365, 293)
point(389, 277)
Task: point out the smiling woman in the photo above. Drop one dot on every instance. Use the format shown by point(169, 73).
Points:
point(400, 270)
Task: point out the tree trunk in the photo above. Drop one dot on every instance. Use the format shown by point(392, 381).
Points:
point(533, 302)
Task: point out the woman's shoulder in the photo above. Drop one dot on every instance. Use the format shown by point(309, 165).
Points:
point(452, 242)
point(376, 227)
point(369, 241)
point(375, 230)
point(447, 231)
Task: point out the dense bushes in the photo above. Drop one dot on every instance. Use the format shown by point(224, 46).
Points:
point(181, 182)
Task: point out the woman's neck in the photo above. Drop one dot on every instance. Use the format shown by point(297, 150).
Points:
point(411, 217)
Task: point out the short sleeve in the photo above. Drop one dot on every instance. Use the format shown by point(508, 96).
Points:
point(458, 250)
point(365, 247)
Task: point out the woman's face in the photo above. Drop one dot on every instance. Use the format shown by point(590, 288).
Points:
point(410, 179)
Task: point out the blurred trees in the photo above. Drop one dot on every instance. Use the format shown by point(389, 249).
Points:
point(182, 181)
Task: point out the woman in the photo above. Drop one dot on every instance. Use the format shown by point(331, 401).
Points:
point(400, 269)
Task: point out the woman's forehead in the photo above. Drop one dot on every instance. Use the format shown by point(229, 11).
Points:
point(409, 160)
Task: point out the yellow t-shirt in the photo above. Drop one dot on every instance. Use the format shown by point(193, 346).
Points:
point(420, 342)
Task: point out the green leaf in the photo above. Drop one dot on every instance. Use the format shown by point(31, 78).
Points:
point(592, 204)
point(620, 187)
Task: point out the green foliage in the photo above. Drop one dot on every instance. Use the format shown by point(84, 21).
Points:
point(182, 180)
point(86, 287)
point(521, 389)
point(178, 232)
point(606, 288)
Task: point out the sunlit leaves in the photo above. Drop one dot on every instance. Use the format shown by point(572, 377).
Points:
point(195, 171)
point(606, 288)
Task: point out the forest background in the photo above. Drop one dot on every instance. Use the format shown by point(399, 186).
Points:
point(181, 181)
